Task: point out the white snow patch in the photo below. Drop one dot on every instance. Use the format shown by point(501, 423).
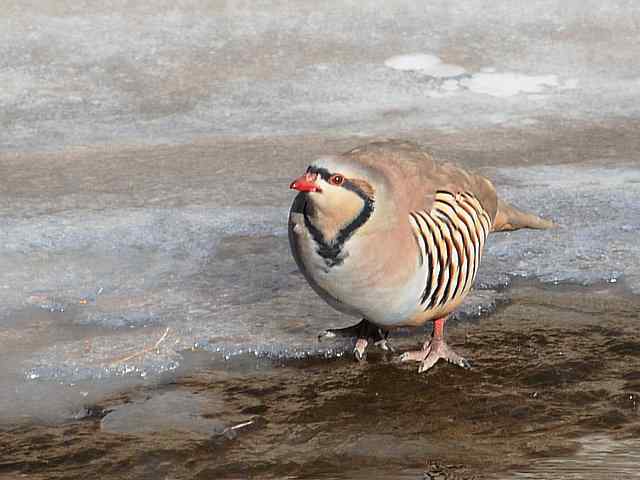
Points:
point(444, 70)
point(508, 84)
point(426, 63)
point(569, 84)
point(438, 93)
point(413, 61)
point(450, 85)
point(447, 88)
point(487, 81)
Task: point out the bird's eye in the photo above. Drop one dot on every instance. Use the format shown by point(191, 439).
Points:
point(336, 179)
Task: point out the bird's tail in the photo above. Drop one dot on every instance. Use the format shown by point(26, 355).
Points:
point(510, 218)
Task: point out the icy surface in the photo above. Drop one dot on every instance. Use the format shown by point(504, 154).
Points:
point(93, 295)
point(164, 413)
point(160, 71)
point(598, 454)
point(599, 216)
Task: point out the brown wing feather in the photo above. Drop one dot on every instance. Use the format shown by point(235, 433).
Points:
point(414, 176)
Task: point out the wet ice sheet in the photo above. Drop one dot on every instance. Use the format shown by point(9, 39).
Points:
point(165, 72)
point(598, 455)
point(599, 217)
point(169, 411)
point(95, 295)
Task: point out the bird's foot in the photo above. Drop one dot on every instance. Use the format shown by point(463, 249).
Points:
point(384, 344)
point(351, 331)
point(433, 351)
point(364, 331)
point(360, 350)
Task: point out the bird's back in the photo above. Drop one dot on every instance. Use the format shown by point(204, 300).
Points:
point(415, 178)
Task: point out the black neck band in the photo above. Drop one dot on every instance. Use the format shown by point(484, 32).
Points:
point(331, 251)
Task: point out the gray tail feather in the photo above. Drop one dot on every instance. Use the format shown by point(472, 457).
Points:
point(510, 218)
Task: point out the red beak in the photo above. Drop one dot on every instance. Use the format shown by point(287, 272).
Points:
point(306, 183)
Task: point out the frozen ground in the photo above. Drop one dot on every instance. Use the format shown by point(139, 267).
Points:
point(147, 150)
point(555, 393)
point(97, 285)
point(165, 71)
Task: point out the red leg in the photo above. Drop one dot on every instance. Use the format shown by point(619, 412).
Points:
point(438, 327)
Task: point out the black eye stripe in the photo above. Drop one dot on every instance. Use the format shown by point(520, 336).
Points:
point(323, 172)
point(346, 183)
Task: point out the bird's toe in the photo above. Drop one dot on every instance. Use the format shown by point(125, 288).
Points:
point(414, 356)
point(440, 350)
point(427, 363)
point(385, 345)
point(462, 362)
point(360, 350)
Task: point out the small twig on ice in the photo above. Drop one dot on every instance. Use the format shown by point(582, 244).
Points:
point(144, 350)
point(237, 427)
point(240, 425)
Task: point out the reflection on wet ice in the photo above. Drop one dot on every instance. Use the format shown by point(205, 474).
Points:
point(598, 456)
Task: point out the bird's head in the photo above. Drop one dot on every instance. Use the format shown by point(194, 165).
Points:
point(338, 191)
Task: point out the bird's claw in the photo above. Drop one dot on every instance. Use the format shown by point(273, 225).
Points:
point(360, 350)
point(363, 332)
point(385, 345)
point(435, 350)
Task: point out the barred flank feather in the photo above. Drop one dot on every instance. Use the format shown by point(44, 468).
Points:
point(451, 238)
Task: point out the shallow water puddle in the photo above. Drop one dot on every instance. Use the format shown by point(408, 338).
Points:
point(554, 393)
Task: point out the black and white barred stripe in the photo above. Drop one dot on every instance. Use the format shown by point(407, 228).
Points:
point(451, 238)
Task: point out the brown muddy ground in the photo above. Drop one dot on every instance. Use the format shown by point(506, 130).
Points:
point(556, 374)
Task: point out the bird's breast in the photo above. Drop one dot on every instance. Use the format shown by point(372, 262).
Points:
point(374, 278)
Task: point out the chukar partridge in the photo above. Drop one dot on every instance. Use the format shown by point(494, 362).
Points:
point(384, 233)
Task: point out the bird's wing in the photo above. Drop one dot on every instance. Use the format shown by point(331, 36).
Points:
point(414, 179)
point(450, 179)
